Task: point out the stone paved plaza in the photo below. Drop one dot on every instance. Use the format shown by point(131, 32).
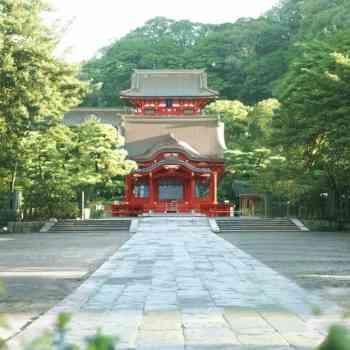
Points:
point(177, 285)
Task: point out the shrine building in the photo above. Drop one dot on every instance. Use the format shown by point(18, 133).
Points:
point(178, 149)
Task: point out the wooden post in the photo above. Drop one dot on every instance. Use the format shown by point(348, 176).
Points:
point(82, 205)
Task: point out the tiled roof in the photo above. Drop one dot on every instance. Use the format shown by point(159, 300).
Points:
point(169, 83)
point(199, 138)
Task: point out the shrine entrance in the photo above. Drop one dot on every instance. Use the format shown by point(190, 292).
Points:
point(171, 190)
point(179, 150)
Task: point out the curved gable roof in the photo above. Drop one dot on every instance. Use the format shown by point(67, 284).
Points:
point(169, 83)
point(199, 138)
point(173, 161)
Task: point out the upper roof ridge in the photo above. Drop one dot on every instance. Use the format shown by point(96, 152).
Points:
point(186, 83)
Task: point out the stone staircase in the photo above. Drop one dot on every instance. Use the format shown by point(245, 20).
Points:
point(100, 225)
point(255, 225)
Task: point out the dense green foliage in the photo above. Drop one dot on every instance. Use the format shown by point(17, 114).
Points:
point(35, 87)
point(57, 339)
point(51, 163)
point(249, 159)
point(298, 54)
point(243, 59)
point(313, 126)
point(283, 77)
point(237, 56)
point(61, 162)
point(338, 339)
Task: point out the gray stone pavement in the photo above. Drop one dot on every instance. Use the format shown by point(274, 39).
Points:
point(176, 285)
point(38, 270)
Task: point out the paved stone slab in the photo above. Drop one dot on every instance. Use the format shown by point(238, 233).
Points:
point(208, 337)
point(162, 321)
point(176, 285)
point(265, 341)
point(245, 321)
point(157, 340)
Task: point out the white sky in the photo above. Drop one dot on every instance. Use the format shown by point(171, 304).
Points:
point(92, 24)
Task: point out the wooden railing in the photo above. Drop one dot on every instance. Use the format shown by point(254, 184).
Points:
point(220, 209)
point(126, 209)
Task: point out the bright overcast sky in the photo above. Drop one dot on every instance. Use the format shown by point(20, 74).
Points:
point(92, 24)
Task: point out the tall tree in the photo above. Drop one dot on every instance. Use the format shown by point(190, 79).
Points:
point(249, 157)
point(242, 58)
point(160, 43)
point(36, 88)
point(312, 126)
point(61, 162)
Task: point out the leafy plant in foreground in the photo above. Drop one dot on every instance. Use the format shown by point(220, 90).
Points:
point(57, 340)
point(338, 339)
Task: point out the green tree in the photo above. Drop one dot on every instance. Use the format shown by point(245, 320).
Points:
point(246, 127)
point(62, 161)
point(249, 158)
point(36, 88)
point(312, 127)
point(242, 58)
point(160, 43)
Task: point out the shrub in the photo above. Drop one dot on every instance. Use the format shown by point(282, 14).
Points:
point(57, 339)
point(338, 339)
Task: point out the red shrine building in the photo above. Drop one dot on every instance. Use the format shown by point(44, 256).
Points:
point(179, 150)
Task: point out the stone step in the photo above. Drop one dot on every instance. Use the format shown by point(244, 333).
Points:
point(256, 227)
point(261, 230)
point(89, 222)
point(247, 221)
point(91, 226)
point(77, 228)
point(254, 223)
point(94, 225)
point(250, 225)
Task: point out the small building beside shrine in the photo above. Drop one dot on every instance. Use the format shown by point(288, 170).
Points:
point(179, 150)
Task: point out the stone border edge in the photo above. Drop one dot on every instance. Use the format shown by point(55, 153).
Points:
point(48, 225)
point(299, 224)
point(213, 225)
point(134, 225)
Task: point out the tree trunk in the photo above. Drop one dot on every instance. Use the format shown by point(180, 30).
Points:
point(13, 179)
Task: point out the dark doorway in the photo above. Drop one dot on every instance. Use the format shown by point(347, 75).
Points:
point(171, 190)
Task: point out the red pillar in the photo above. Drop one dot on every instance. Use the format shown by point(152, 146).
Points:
point(192, 194)
point(215, 187)
point(151, 190)
point(128, 188)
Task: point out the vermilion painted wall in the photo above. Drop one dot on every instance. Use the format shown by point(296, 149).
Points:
point(190, 201)
point(179, 106)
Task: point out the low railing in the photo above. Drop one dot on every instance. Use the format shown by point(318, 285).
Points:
point(127, 209)
point(220, 209)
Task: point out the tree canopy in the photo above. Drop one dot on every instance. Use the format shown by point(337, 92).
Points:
point(36, 88)
point(47, 160)
point(242, 58)
point(283, 78)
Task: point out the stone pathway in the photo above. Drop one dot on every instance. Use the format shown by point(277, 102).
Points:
point(176, 285)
